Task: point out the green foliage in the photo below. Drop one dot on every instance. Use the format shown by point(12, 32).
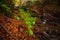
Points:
point(30, 32)
point(5, 9)
point(28, 20)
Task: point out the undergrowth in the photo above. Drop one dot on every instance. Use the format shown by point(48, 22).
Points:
point(28, 20)
point(22, 15)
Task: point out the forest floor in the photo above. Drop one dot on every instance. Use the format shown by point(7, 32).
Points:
point(11, 29)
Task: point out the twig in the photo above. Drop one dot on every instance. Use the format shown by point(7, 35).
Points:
point(8, 32)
